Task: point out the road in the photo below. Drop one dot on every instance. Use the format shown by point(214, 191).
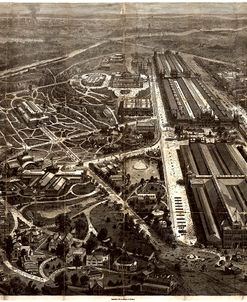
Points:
point(55, 140)
point(211, 60)
point(157, 102)
point(172, 172)
point(178, 200)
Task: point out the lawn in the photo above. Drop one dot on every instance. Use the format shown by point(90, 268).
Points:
point(139, 168)
point(112, 219)
point(53, 265)
point(83, 188)
point(44, 214)
point(152, 188)
point(108, 217)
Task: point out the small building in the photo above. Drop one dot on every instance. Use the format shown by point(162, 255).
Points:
point(2, 274)
point(56, 186)
point(52, 245)
point(58, 238)
point(117, 58)
point(145, 126)
point(117, 177)
point(30, 266)
point(34, 234)
point(126, 80)
point(95, 274)
point(99, 258)
point(2, 213)
point(135, 107)
point(12, 166)
point(45, 179)
point(125, 263)
point(18, 248)
point(23, 161)
point(158, 213)
point(158, 285)
point(75, 252)
point(30, 113)
point(93, 79)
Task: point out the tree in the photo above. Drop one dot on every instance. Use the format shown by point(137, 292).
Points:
point(23, 253)
point(168, 223)
point(220, 130)
point(177, 267)
point(158, 197)
point(139, 251)
point(74, 279)
point(77, 261)
point(135, 288)
point(62, 250)
point(204, 267)
point(84, 280)
point(8, 246)
point(80, 225)
point(228, 258)
point(142, 181)
point(102, 234)
point(110, 283)
point(63, 223)
point(25, 240)
point(108, 219)
point(61, 281)
point(17, 286)
point(91, 245)
point(180, 182)
point(225, 135)
point(178, 130)
point(222, 262)
point(31, 289)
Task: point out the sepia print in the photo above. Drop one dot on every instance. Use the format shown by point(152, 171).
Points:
point(123, 130)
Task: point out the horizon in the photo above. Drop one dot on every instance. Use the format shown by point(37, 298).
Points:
point(145, 8)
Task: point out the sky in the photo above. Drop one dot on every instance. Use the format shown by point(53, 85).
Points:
point(80, 9)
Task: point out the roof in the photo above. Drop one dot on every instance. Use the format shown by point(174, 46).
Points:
point(97, 256)
point(30, 265)
point(31, 107)
point(154, 285)
point(46, 179)
point(79, 251)
point(27, 158)
point(137, 103)
point(60, 182)
point(145, 123)
point(126, 259)
point(13, 163)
